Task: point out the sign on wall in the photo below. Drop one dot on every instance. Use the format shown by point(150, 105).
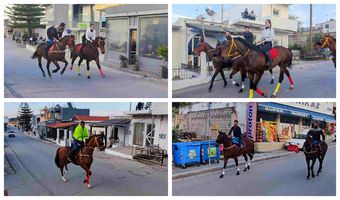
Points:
point(251, 119)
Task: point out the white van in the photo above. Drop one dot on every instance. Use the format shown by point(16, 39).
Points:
point(299, 140)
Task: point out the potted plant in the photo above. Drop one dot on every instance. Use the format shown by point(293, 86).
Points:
point(134, 63)
point(162, 51)
point(123, 61)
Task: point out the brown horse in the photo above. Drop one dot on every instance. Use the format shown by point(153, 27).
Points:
point(232, 151)
point(255, 62)
point(90, 52)
point(57, 54)
point(312, 153)
point(327, 41)
point(84, 157)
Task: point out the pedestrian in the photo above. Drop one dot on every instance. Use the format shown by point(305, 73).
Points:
point(267, 37)
point(80, 135)
point(248, 36)
point(237, 134)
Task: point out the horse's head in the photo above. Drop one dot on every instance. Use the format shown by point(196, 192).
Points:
point(308, 143)
point(96, 141)
point(68, 40)
point(100, 43)
point(222, 138)
point(324, 42)
point(231, 48)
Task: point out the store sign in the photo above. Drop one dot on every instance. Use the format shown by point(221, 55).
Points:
point(251, 119)
point(83, 26)
point(320, 107)
point(283, 111)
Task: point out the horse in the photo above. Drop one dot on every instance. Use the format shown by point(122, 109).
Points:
point(84, 157)
point(90, 52)
point(232, 151)
point(327, 41)
point(255, 62)
point(312, 153)
point(56, 53)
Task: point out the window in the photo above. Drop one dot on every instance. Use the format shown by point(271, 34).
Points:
point(276, 12)
point(266, 116)
point(153, 33)
point(289, 119)
point(306, 122)
point(326, 26)
point(118, 35)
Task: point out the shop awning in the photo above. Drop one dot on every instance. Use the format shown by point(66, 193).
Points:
point(62, 125)
point(288, 110)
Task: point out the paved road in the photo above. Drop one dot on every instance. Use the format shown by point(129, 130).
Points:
point(23, 78)
point(281, 176)
point(36, 173)
point(311, 80)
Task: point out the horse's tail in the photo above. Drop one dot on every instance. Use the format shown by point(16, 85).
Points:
point(291, 59)
point(56, 159)
point(35, 55)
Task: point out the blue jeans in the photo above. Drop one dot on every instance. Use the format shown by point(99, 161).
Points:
point(316, 142)
point(76, 145)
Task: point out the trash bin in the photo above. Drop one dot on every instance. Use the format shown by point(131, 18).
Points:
point(186, 153)
point(213, 152)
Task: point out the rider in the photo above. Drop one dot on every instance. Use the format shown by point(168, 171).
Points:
point(54, 33)
point(315, 132)
point(267, 36)
point(236, 133)
point(80, 134)
point(248, 36)
point(88, 37)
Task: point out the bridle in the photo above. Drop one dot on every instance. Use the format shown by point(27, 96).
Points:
point(326, 42)
point(96, 144)
point(237, 51)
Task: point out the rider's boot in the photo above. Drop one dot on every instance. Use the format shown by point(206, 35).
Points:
point(70, 158)
point(268, 61)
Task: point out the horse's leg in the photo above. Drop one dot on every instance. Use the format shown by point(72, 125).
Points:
point(224, 80)
point(334, 61)
point(258, 78)
point(246, 159)
point(291, 82)
point(233, 72)
point(224, 167)
point(74, 57)
point(88, 175)
point(272, 75)
point(48, 67)
point(40, 66)
point(66, 63)
point(251, 85)
point(57, 65)
point(88, 69)
point(212, 79)
point(282, 71)
point(308, 167)
point(320, 166)
point(66, 168)
point(236, 164)
point(312, 167)
point(100, 68)
point(243, 77)
point(79, 63)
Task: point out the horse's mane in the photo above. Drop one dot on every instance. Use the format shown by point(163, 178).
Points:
point(90, 138)
point(246, 43)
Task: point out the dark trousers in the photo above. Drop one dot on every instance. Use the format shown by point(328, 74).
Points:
point(264, 48)
point(76, 145)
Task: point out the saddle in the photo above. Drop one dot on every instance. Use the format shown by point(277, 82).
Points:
point(51, 49)
point(273, 53)
point(239, 143)
point(78, 47)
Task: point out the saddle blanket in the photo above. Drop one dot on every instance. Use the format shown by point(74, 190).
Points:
point(273, 52)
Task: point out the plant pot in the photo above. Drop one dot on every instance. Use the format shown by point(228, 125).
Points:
point(135, 67)
point(164, 72)
point(123, 64)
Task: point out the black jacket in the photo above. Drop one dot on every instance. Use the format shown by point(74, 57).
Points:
point(316, 133)
point(236, 131)
point(53, 32)
point(248, 36)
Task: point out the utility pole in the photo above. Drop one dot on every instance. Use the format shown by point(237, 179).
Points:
point(209, 129)
point(311, 26)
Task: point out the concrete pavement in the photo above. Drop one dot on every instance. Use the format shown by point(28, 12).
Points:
point(36, 173)
point(281, 176)
point(23, 79)
point(315, 79)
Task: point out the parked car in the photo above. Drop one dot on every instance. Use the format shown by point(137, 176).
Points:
point(299, 140)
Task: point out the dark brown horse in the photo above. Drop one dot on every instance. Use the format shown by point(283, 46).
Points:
point(232, 151)
point(327, 41)
point(56, 54)
point(312, 153)
point(84, 157)
point(90, 52)
point(255, 62)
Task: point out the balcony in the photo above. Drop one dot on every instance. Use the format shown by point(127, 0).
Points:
point(283, 24)
point(139, 112)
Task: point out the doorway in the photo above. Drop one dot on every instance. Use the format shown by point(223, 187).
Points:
point(133, 46)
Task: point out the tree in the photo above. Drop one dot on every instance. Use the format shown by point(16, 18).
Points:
point(26, 16)
point(298, 21)
point(24, 116)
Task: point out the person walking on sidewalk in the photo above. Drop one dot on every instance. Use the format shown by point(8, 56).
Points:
point(80, 135)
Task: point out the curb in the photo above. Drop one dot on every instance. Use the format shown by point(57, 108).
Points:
point(212, 169)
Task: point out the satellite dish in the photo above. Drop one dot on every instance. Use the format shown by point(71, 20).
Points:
point(210, 11)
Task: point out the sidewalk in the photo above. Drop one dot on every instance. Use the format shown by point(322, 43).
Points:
point(178, 172)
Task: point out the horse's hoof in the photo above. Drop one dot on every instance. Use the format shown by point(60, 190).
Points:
point(50, 77)
point(307, 177)
point(291, 87)
point(272, 81)
point(89, 186)
point(248, 167)
point(317, 174)
point(237, 84)
point(71, 67)
point(221, 176)
point(245, 169)
point(103, 76)
point(225, 85)
point(313, 176)
point(273, 95)
point(84, 181)
point(66, 172)
point(240, 91)
point(209, 90)
point(64, 179)
point(264, 95)
point(55, 71)
point(238, 173)
point(88, 77)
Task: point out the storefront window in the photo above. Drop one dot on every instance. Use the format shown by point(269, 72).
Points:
point(118, 35)
point(266, 116)
point(289, 119)
point(153, 33)
point(305, 122)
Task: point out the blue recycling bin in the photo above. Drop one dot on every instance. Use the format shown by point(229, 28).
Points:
point(186, 153)
point(213, 152)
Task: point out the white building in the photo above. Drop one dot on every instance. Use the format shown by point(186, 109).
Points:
point(328, 26)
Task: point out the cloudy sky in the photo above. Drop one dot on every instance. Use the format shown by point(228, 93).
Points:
point(97, 109)
point(322, 12)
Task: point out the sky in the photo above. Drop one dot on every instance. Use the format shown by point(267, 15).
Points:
point(321, 12)
point(96, 109)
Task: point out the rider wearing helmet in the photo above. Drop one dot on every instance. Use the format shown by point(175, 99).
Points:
point(316, 132)
point(89, 36)
point(80, 134)
point(236, 133)
point(54, 33)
